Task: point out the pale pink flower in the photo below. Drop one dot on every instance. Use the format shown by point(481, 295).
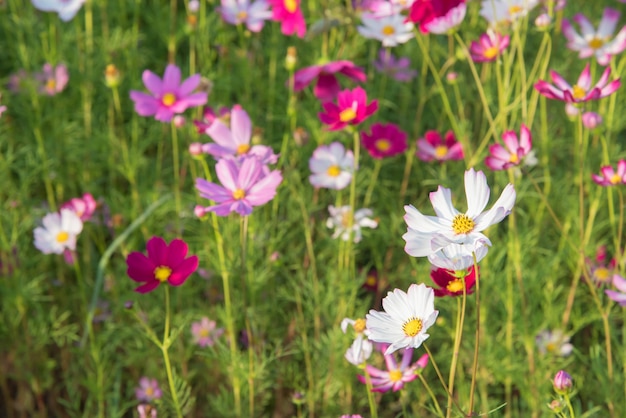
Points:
point(514, 151)
point(582, 90)
point(432, 147)
point(253, 14)
point(396, 375)
point(489, 46)
point(84, 206)
point(52, 80)
point(148, 390)
point(610, 177)
point(205, 332)
point(332, 166)
point(618, 296)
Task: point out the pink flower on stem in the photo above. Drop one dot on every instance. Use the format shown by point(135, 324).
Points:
point(253, 14)
point(600, 271)
point(610, 177)
point(502, 158)
point(164, 263)
point(52, 80)
point(581, 91)
point(289, 14)
point(438, 16)
point(591, 120)
point(148, 390)
point(243, 187)
point(385, 141)
point(433, 147)
point(84, 206)
point(596, 43)
point(205, 332)
point(351, 109)
point(618, 296)
point(209, 116)
point(396, 374)
point(490, 45)
point(167, 96)
point(327, 87)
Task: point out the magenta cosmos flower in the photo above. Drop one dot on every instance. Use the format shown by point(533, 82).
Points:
point(396, 374)
point(438, 16)
point(163, 263)
point(386, 140)
point(167, 96)
point(610, 177)
point(511, 155)
point(84, 206)
point(289, 14)
point(351, 109)
point(596, 43)
point(432, 147)
point(52, 80)
point(581, 91)
point(327, 86)
point(618, 296)
point(243, 187)
point(451, 283)
point(490, 45)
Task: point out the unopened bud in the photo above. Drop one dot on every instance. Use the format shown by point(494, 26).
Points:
point(112, 76)
point(291, 59)
point(562, 382)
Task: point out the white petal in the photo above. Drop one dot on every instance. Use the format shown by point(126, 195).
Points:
point(476, 192)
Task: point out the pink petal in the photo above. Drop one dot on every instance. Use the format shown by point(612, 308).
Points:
point(148, 287)
point(189, 85)
point(221, 134)
point(157, 251)
point(183, 270)
point(326, 88)
point(176, 252)
point(140, 268)
point(171, 78)
point(241, 127)
point(227, 172)
point(152, 82)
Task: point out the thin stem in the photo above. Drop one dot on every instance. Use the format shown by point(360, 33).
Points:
point(370, 188)
point(431, 394)
point(460, 306)
point(176, 171)
point(164, 347)
point(370, 395)
point(477, 339)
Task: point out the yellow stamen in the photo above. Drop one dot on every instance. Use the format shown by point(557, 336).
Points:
point(596, 43)
point(462, 224)
point(578, 92)
point(601, 274)
point(359, 325)
point(441, 151)
point(243, 148)
point(513, 159)
point(333, 171)
point(491, 52)
point(513, 10)
point(551, 347)
point(242, 15)
point(347, 115)
point(291, 5)
point(239, 194)
point(412, 327)
point(370, 280)
point(62, 237)
point(615, 178)
point(162, 273)
point(388, 30)
point(382, 145)
point(455, 286)
point(149, 391)
point(168, 99)
point(346, 218)
point(51, 85)
point(395, 375)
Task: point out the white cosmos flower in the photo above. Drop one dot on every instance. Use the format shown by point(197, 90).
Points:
point(66, 9)
point(59, 232)
point(390, 30)
point(332, 166)
point(340, 220)
point(505, 11)
point(428, 234)
point(458, 257)
point(359, 351)
point(406, 319)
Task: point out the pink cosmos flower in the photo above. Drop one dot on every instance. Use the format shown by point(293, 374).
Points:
point(397, 69)
point(146, 411)
point(489, 46)
point(205, 333)
point(235, 142)
point(52, 80)
point(163, 263)
point(332, 166)
point(327, 87)
point(148, 390)
point(581, 91)
point(289, 14)
point(433, 147)
point(502, 158)
point(601, 271)
point(2, 109)
point(396, 374)
point(243, 187)
point(610, 177)
point(618, 296)
point(167, 96)
point(386, 140)
point(252, 14)
point(209, 115)
point(84, 206)
point(66, 9)
point(351, 109)
point(438, 16)
point(596, 43)
point(591, 120)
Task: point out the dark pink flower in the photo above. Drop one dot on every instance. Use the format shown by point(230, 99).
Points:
point(289, 14)
point(450, 283)
point(163, 263)
point(351, 109)
point(437, 16)
point(209, 116)
point(327, 86)
point(84, 206)
point(167, 96)
point(433, 147)
point(386, 140)
point(502, 158)
point(490, 45)
point(581, 91)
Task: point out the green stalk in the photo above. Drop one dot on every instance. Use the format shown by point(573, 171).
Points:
point(460, 306)
point(477, 339)
point(164, 349)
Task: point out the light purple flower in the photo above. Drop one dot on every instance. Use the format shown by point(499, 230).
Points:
point(205, 332)
point(66, 9)
point(397, 69)
point(502, 158)
point(396, 374)
point(146, 411)
point(148, 390)
point(52, 80)
point(618, 296)
point(2, 109)
point(332, 166)
point(596, 43)
point(243, 187)
point(167, 96)
point(253, 14)
point(327, 86)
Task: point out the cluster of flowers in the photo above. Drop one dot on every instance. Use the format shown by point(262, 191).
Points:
point(50, 81)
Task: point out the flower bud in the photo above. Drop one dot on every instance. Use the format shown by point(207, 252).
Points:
point(195, 149)
point(562, 382)
point(591, 120)
point(543, 21)
point(112, 76)
point(291, 59)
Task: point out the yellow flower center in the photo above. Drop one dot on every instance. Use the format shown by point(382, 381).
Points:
point(347, 115)
point(615, 178)
point(596, 43)
point(382, 145)
point(333, 171)
point(513, 10)
point(514, 159)
point(204, 333)
point(346, 218)
point(388, 30)
point(242, 15)
point(291, 5)
point(491, 52)
point(462, 224)
point(412, 327)
point(162, 273)
point(441, 151)
point(601, 274)
point(243, 148)
point(395, 375)
point(51, 85)
point(149, 391)
point(551, 347)
point(370, 280)
point(359, 325)
point(62, 237)
point(168, 99)
point(578, 92)
point(455, 286)
point(239, 194)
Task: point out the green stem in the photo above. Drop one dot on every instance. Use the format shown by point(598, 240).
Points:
point(176, 171)
point(477, 339)
point(370, 395)
point(164, 349)
point(370, 188)
point(431, 394)
point(457, 344)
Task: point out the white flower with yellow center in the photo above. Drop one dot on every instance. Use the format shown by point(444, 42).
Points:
point(390, 30)
point(59, 232)
point(406, 319)
point(505, 11)
point(341, 217)
point(428, 234)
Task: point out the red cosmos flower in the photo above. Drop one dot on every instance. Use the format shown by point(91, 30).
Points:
point(327, 86)
point(351, 109)
point(386, 140)
point(437, 16)
point(289, 14)
point(450, 284)
point(163, 263)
